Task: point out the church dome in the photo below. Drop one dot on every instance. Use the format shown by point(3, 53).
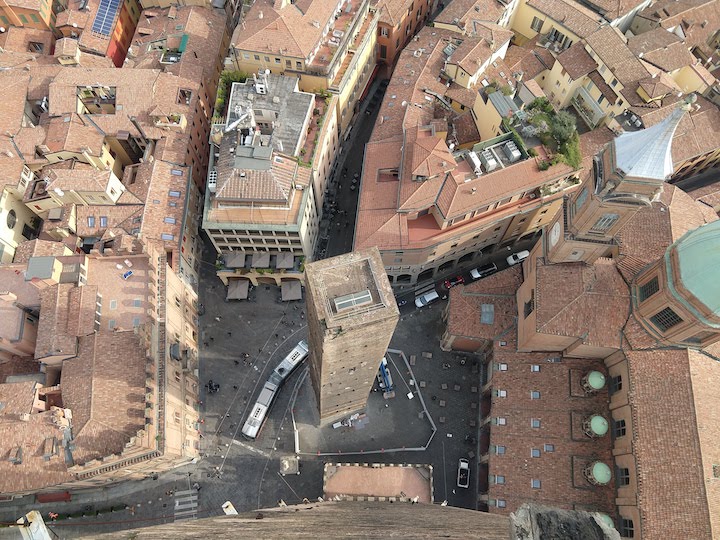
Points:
point(698, 256)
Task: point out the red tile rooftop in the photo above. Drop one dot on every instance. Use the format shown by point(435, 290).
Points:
point(562, 449)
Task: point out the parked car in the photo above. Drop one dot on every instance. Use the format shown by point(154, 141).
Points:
point(457, 280)
point(427, 298)
point(482, 271)
point(517, 257)
point(463, 479)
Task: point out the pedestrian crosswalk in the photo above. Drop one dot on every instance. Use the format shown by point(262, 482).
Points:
point(186, 503)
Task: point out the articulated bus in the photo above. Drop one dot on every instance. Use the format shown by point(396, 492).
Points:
point(272, 386)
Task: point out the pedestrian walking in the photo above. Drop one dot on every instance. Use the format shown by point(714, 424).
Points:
point(229, 334)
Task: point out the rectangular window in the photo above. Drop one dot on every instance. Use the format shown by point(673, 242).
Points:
point(383, 51)
point(535, 452)
point(627, 528)
point(600, 99)
point(534, 394)
point(581, 198)
point(500, 503)
point(137, 302)
point(23, 18)
point(34, 18)
point(169, 220)
point(246, 56)
point(535, 422)
point(298, 65)
point(535, 483)
point(175, 194)
point(176, 172)
point(615, 384)
point(536, 24)
point(113, 304)
point(623, 476)
point(605, 223)
point(166, 236)
point(500, 421)
point(502, 367)
point(91, 221)
point(646, 290)
point(499, 479)
point(103, 221)
point(267, 59)
point(535, 368)
point(111, 324)
point(501, 393)
point(288, 64)
point(549, 447)
point(384, 32)
point(665, 319)
point(277, 60)
point(499, 450)
point(619, 428)
point(257, 57)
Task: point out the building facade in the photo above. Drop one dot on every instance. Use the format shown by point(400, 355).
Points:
point(352, 315)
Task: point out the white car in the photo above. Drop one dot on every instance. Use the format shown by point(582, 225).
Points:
point(463, 479)
point(517, 257)
point(427, 298)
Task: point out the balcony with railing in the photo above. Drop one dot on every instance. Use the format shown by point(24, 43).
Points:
point(334, 44)
point(587, 107)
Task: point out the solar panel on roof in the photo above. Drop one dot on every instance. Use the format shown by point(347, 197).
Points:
point(105, 16)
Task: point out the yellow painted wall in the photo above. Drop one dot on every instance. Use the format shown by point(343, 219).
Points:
point(487, 119)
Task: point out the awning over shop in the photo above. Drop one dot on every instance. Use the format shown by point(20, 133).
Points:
point(261, 260)
point(285, 260)
point(236, 259)
point(291, 290)
point(237, 289)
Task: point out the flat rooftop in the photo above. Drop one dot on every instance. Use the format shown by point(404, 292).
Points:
point(374, 480)
point(351, 285)
point(280, 96)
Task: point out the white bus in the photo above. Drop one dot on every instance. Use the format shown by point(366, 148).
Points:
point(260, 409)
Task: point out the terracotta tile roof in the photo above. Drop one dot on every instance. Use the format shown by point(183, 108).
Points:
point(34, 472)
point(662, 49)
point(529, 59)
point(594, 301)
point(268, 29)
point(465, 129)
point(658, 86)
point(79, 179)
point(562, 407)
point(463, 316)
point(70, 17)
point(118, 216)
point(696, 19)
point(18, 39)
point(614, 9)
point(108, 404)
point(571, 15)
point(666, 418)
point(605, 89)
point(39, 248)
point(205, 31)
point(576, 61)
point(392, 11)
point(461, 12)
point(53, 337)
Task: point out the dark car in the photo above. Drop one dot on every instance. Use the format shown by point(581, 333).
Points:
point(457, 280)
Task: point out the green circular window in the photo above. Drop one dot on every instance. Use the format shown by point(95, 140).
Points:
point(11, 219)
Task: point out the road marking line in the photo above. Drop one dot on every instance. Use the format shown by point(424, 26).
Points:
point(252, 449)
